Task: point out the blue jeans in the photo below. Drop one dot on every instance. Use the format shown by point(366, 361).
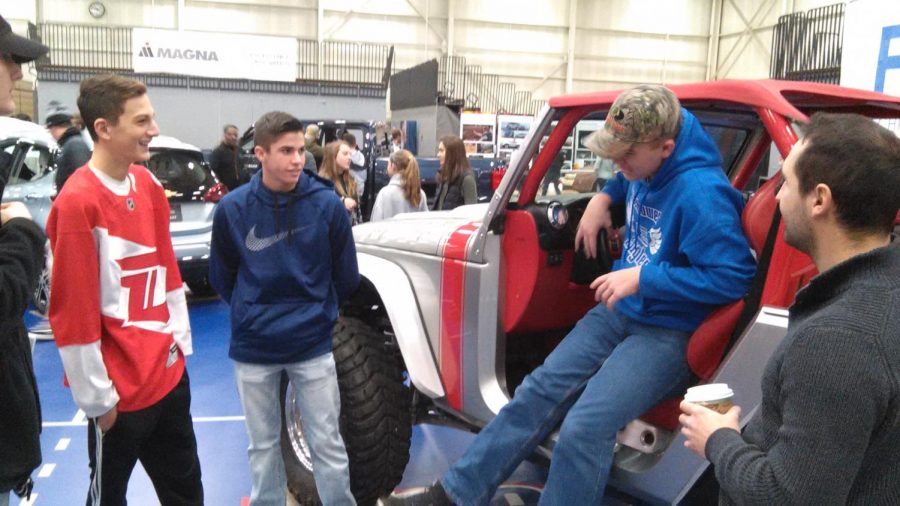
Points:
point(642, 365)
point(316, 387)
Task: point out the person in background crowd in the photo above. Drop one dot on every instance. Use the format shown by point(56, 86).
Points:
point(73, 152)
point(22, 253)
point(312, 144)
point(551, 178)
point(118, 309)
point(828, 428)
point(22, 116)
point(456, 180)
point(77, 121)
point(336, 168)
point(396, 140)
point(357, 164)
point(282, 313)
point(224, 161)
point(403, 194)
point(628, 353)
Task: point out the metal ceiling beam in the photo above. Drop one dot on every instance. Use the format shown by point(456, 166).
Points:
point(715, 37)
point(427, 21)
point(320, 21)
point(340, 24)
point(554, 71)
point(744, 40)
point(570, 56)
point(451, 26)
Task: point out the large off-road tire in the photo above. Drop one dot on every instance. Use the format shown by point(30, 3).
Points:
point(376, 417)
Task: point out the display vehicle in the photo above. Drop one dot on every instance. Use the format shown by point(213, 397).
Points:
point(456, 307)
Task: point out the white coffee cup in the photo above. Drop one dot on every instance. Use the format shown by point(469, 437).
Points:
point(715, 396)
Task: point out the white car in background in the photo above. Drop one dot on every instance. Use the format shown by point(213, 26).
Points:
point(193, 192)
point(27, 156)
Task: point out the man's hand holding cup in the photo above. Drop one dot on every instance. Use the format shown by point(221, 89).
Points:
point(706, 409)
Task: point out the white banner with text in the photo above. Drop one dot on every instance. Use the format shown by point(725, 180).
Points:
point(214, 54)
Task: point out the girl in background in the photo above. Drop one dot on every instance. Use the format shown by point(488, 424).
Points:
point(456, 180)
point(336, 168)
point(403, 194)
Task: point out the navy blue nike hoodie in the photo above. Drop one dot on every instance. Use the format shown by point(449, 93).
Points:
point(683, 228)
point(284, 262)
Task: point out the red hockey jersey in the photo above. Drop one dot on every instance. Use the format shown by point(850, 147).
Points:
point(117, 306)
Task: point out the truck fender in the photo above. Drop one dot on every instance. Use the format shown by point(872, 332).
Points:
point(396, 293)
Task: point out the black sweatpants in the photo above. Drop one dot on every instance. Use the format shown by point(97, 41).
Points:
point(162, 438)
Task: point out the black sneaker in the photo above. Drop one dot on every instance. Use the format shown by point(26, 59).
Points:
point(433, 495)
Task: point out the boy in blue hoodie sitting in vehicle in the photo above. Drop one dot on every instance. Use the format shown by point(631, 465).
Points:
point(282, 256)
point(684, 255)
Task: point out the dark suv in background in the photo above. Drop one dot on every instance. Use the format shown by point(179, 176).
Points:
point(372, 139)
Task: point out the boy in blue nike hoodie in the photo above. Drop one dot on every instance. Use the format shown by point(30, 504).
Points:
point(684, 255)
point(282, 256)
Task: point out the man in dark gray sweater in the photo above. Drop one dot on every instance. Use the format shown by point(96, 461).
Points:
point(828, 429)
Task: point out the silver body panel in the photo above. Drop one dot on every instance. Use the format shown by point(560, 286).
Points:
point(678, 469)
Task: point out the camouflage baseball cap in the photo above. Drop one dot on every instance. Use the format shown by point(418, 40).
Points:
point(644, 113)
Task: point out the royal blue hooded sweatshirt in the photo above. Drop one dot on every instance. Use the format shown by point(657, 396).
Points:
point(683, 227)
point(284, 262)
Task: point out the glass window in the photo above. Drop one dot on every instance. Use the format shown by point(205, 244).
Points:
point(181, 173)
point(575, 170)
point(35, 162)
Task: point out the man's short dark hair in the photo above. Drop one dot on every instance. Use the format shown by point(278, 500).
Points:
point(226, 127)
point(859, 160)
point(104, 96)
point(271, 125)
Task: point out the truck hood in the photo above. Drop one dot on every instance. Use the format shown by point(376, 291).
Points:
point(424, 232)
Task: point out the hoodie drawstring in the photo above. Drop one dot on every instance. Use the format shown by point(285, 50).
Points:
point(290, 226)
point(277, 214)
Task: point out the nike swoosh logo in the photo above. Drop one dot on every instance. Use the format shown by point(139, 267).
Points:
point(254, 243)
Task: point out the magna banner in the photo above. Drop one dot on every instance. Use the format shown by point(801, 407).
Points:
point(214, 55)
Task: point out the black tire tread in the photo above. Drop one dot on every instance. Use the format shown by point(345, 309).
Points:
point(376, 413)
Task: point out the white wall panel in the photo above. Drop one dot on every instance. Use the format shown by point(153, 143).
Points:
point(503, 38)
point(742, 56)
point(380, 30)
point(431, 8)
point(516, 12)
point(250, 19)
point(617, 42)
point(154, 13)
point(688, 17)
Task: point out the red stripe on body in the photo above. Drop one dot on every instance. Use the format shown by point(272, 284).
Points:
point(453, 277)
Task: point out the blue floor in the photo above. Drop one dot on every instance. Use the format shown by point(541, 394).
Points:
point(218, 423)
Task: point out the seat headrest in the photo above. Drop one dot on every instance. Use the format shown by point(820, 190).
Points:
point(757, 216)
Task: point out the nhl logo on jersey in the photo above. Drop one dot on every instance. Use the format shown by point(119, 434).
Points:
point(130, 203)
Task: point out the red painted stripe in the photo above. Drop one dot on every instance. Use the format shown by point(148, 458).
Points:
point(453, 276)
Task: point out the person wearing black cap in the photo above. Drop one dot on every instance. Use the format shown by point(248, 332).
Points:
point(22, 251)
point(73, 151)
point(14, 51)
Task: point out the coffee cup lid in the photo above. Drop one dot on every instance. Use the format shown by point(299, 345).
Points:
point(709, 392)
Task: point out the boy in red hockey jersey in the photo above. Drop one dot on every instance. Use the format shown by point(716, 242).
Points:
point(117, 307)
